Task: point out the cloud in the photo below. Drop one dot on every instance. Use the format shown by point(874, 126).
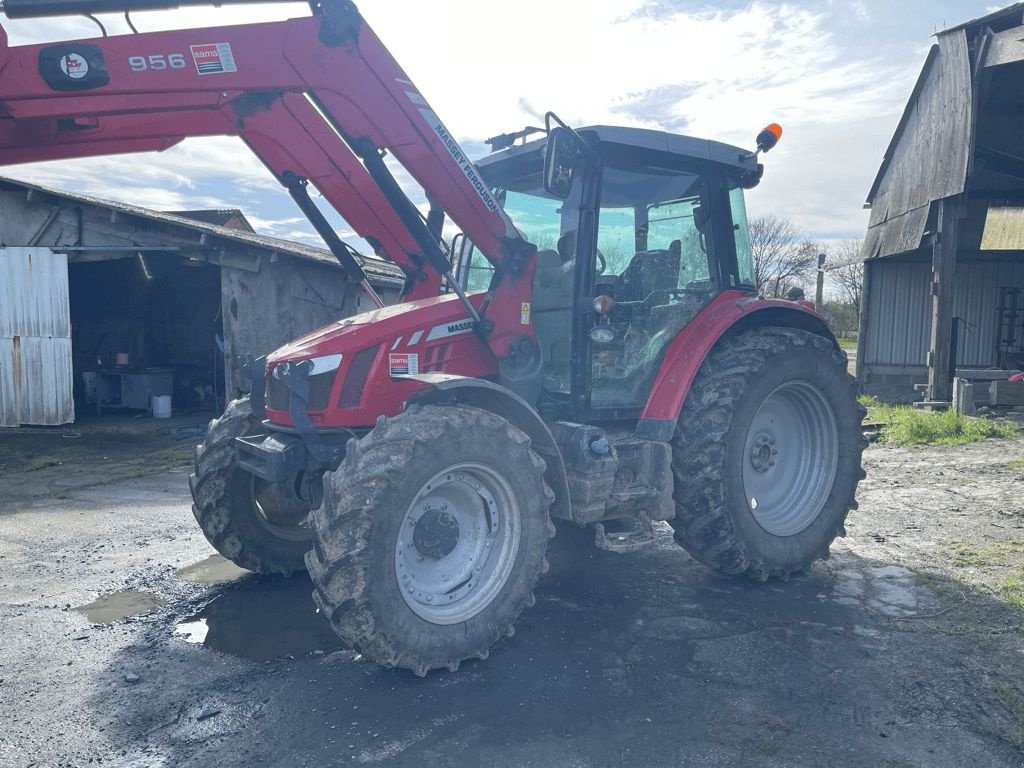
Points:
point(829, 72)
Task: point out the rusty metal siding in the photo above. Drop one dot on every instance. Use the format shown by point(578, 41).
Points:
point(899, 314)
point(34, 293)
point(35, 338)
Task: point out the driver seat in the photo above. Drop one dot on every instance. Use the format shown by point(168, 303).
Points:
point(650, 270)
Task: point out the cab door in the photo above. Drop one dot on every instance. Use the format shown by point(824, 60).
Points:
point(655, 261)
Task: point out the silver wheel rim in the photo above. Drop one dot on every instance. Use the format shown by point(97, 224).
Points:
point(282, 515)
point(790, 458)
point(457, 543)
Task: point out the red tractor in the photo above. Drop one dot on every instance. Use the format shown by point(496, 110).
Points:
point(590, 348)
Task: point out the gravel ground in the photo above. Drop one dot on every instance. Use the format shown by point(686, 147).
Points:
point(904, 649)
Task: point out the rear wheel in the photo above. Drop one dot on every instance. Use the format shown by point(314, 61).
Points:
point(767, 454)
point(258, 525)
point(431, 537)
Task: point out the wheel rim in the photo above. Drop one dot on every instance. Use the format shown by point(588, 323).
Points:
point(457, 543)
point(790, 458)
point(279, 510)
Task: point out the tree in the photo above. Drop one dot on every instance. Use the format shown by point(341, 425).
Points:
point(784, 257)
point(842, 318)
point(847, 271)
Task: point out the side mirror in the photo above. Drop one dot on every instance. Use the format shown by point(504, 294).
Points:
point(561, 157)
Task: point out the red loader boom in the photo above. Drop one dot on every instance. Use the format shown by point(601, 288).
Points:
point(317, 99)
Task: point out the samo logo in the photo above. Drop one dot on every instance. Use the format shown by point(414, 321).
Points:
point(74, 66)
point(213, 58)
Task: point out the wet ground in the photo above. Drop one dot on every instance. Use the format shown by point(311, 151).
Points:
point(124, 640)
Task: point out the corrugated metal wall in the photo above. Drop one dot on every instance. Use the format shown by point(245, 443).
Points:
point(35, 338)
point(975, 300)
point(899, 314)
point(900, 311)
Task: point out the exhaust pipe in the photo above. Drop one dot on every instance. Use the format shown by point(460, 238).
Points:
point(25, 9)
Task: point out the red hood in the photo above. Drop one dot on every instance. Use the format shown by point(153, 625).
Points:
point(374, 327)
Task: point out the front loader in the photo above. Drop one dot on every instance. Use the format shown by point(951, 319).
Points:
point(590, 347)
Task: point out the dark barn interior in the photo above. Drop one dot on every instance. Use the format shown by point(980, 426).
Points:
point(161, 310)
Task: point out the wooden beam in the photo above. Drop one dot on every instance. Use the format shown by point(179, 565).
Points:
point(940, 362)
point(1005, 47)
point(863, 325)
point(50, 217)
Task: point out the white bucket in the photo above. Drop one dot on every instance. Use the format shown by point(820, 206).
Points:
point(161, 405)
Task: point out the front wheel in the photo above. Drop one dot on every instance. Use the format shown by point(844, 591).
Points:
point(431, 537)
point(256, 524)
point(767, 454)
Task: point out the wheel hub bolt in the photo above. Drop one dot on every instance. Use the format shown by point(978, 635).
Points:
point(762, 452)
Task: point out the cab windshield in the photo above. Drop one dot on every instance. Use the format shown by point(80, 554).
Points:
point(655, 257)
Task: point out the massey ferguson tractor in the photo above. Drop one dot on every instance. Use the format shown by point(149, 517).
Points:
point(590, 347)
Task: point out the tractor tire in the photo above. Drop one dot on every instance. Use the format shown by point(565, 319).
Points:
point(256, 524)
point(431, 537)
point(766, 455)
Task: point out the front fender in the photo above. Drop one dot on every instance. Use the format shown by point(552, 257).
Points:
point(447, 389)
point(729, 312)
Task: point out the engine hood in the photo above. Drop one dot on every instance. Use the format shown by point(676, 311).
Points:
point(387, 324)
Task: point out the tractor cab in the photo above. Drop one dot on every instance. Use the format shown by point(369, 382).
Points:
point(635, 237)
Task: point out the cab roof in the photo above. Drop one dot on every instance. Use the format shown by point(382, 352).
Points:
point(611, 137)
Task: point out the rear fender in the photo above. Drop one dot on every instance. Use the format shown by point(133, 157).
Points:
point(446, 389)
point(731, 312)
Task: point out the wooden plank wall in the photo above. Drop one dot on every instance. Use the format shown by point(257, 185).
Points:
point(928, 160)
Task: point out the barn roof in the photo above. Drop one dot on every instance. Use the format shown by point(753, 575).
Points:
point(957, 132)
point(378, 271)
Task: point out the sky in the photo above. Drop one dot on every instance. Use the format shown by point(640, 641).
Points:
point(835, 74)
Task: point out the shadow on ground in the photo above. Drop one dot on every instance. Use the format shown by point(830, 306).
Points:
point(643, 659)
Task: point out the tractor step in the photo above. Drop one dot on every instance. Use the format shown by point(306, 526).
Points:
point(637, 535)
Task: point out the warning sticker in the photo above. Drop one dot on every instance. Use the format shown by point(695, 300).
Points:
point(213, 58)
point(524, 313)
point(404, 363)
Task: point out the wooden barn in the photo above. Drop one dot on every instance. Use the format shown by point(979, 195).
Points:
point(944, 250)
point(104, 305)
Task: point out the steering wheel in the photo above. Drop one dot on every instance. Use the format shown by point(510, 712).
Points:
point(602, 265)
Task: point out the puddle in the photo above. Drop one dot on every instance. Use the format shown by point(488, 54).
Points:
point(213, 570)
point(262, 618)
point(120, 605)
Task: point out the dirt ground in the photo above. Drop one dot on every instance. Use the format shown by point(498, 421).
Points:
point(125, 643)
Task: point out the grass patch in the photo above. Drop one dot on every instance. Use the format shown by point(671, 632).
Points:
point(1010, 697)
point(878, 412)
point(847, 343)
point(1017, 463)
point(997, 566)
point(906, 425)
point(41, 462)
point(1012, 590)
point(910, 426)
point(998, 554)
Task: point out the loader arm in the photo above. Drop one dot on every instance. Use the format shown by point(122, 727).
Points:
point(316, 98)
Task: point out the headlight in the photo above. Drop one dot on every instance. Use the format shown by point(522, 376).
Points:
point(325, 364)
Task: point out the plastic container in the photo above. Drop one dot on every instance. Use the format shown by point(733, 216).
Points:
point(161, 405)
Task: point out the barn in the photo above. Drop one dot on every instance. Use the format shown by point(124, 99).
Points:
point(944, 249)
point(105, 305)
